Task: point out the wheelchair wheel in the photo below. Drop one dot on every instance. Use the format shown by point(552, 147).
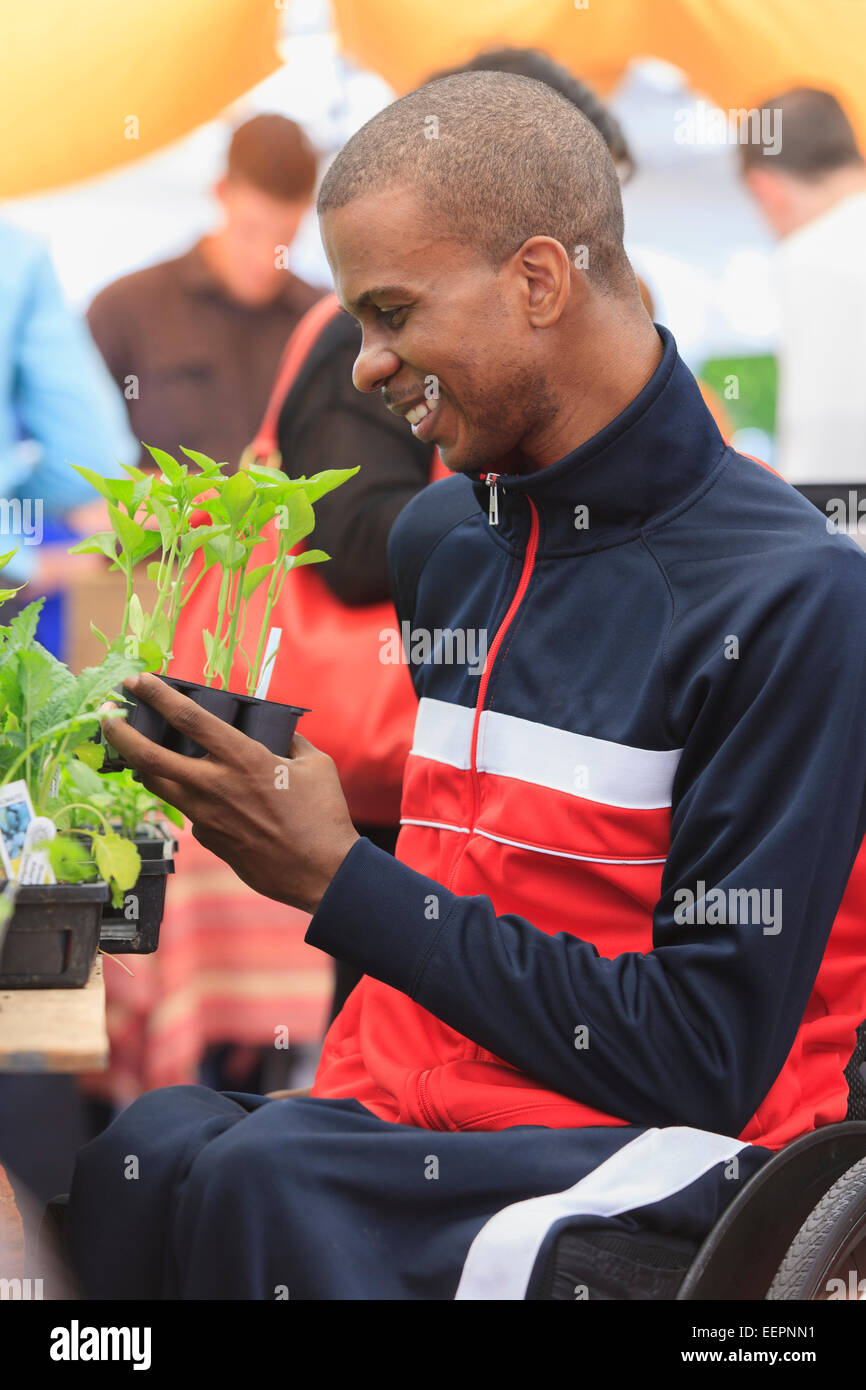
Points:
point(827, 1258)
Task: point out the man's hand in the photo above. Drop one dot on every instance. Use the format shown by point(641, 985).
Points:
point(281, 823)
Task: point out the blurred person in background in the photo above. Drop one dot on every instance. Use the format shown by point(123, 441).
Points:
point(813, 195)
point(58, 407)
point(326, 423)
point(712, 400)
point(194, 342)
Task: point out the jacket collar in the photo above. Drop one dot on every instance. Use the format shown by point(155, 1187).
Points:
point(645, 462)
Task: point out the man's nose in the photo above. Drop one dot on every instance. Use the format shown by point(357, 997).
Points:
point(374, 366)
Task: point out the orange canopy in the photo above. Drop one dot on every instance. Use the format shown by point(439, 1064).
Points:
point(90, 86)
point(736, 52)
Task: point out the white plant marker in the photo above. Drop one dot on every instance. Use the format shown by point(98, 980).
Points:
point(270, 657)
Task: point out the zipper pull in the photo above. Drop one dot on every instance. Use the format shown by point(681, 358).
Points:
point(491, 480)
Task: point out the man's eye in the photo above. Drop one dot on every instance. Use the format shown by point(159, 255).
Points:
point(390, 316)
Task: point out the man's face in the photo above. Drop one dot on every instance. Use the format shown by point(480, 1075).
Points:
point(256, 227)
point(442, 330)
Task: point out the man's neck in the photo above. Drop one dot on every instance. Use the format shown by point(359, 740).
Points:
point(818, 199)
point(611, 368)
point(212, 249)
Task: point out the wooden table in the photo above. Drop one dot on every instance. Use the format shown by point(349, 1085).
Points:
point(54, 1030)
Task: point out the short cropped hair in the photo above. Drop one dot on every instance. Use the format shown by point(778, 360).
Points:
point(816, 136)
point(532, 62)
point(495, 158)
point(274, 155)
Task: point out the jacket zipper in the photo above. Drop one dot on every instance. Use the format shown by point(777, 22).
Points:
point(523, 584)
point(492, 480)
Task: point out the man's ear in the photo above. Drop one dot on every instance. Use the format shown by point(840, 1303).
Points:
point(219, 190)
point(545, 272)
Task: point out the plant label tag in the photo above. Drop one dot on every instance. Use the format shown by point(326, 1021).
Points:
point(16, 813)
point(23, 837)
point(35, 866)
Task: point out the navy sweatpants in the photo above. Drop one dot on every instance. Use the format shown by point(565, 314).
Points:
point(192, 1193)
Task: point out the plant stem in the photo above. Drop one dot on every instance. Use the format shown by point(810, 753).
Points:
point(211, 668)
point(270, 600)
point(84, 806)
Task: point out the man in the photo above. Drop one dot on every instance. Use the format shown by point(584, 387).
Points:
point(579, 985)
point(813, 195)
point(326, 423)
point(194, 342)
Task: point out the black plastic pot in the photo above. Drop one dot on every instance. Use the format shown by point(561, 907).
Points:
point(133, 929)
point(264, 720)
point(53, 936)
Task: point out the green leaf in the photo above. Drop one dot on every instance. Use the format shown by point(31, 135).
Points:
point(21, 631)
point(237, 496)
point(161, 630)
point(153, 571)
point(119, 863)
point(206, 464)
point(198, 535)
point(151, 543)
point(253, 579)
point(306, 557)
point(167, 521)
point(10, 555)
point(38, 673)
point(169, 465)
point(101, 635)
point(138, 475)
point(92, 755)
point(151, 654)
point(70, 860)
point(112, 489)
point(103, 543)
point(123, 489)
point(96, 683)
point(136, 616)
point(270, 477)
point(55, 707)
point(229, 551)
point(198, 484)
point(85, 779)
point(321, 483)
point(295, 519)
point(172, 813)
point(128, 532)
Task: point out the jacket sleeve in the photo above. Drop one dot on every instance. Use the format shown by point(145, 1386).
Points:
point(770, 794)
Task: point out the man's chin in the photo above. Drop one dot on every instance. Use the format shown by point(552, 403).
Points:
point(461, 460)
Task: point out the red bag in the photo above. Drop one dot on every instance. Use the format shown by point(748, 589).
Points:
point(362, 711)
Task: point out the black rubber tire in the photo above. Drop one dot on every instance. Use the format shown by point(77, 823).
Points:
point(811, 1257)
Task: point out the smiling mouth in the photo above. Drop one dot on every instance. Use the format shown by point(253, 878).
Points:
point(417, 413)
point(420, 416)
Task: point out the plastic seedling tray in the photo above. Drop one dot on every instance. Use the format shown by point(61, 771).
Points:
point(133, 929)
point(263, 720)
point(53, 936)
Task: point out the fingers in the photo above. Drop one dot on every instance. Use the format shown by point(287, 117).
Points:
point(301, 747)
point(211, 733)
point(156, 764)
